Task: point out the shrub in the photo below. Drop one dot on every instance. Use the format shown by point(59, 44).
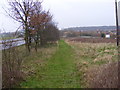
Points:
point(11, 66)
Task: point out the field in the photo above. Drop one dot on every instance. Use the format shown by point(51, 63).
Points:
point(39, 52)
point(97, 61)
point(94, 40)
point(70, 64)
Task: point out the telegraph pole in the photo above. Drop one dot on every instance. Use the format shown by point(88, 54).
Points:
point(117, 24)
point(117, 27)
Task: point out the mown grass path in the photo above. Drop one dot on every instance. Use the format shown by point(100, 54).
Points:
point(59, 71)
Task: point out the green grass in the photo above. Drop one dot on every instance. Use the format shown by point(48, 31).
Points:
point(59, 71)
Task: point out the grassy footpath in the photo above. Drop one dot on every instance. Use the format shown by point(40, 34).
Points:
point(58, 72)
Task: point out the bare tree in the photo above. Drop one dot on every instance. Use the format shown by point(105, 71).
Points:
point(51, 32)
point(38, 20)
point(20, 11)
point(33, 19)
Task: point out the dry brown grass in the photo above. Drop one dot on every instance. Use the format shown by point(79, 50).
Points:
point(93, 40)
point(37, 59)
point(105, 76)
point(97, 62)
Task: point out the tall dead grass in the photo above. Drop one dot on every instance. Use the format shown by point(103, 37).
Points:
point(97, 62)
point(105, 76)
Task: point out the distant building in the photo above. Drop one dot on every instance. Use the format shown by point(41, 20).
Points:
point(107, 36)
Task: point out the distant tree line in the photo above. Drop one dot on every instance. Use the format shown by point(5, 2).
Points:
point(92, 28)
point(100, 34)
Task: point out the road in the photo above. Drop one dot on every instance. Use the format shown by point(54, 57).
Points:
point(5, 44)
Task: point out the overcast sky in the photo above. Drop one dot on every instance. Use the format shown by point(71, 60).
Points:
point(70, 13)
